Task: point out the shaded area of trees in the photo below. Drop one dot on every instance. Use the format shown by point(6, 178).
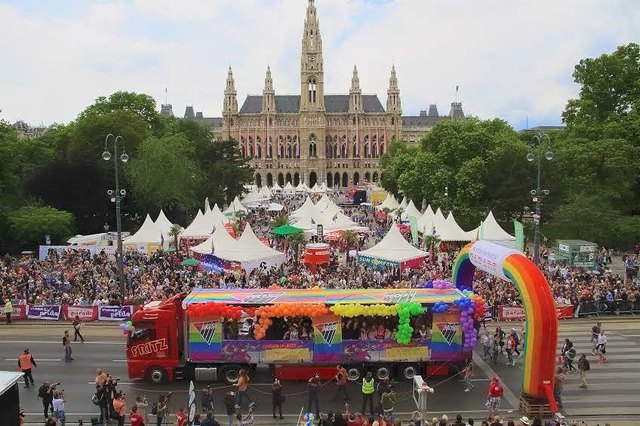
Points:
point(174, 164)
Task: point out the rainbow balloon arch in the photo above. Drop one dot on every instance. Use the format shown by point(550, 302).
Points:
point(541, 325)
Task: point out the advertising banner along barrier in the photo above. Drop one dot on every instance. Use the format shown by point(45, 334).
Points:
point(44, 312)
point(516, 313)
point(115, 313)
point(84, 313)
point(19, 312)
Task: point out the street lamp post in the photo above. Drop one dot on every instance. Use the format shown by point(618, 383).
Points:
point(116, 197)
point(538, 193)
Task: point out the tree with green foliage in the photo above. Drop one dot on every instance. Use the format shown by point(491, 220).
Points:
point(141, 105)
point(175, 233)
point(165, 173)
point(225, 171)
point(30, 224)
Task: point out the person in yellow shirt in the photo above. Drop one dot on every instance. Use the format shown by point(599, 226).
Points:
point(8, 309)
point(243, 385)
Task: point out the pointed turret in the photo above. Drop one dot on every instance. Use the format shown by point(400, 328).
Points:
point(311, 63)
point(268, 94)
point(355, 94)
point(230, 105)
point(393, 94)
point(456, 111)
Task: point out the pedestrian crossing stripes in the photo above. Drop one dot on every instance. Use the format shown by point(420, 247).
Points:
point(613, 388)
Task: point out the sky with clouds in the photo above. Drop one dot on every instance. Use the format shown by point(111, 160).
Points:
point(511, 59)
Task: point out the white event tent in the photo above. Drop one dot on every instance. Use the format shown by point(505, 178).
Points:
point(389, 202)
point(220, 240)
point(451, 231)
point(491, 230)
point(201, 227)
point(425, 222)
point(235, 206)
point(288, 189)
point(164, 224)
point(392, 251)
point(147, 239)
point(411, 210)
point(251, 252)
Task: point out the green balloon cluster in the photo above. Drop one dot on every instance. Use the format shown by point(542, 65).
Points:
point(405, 311)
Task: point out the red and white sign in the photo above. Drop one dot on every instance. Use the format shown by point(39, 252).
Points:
point(516, 313)
point(19, 312)
point(84, 313)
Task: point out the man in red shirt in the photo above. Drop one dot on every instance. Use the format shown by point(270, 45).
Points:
point(135, 418)
point(494, 397)
point(181, 417)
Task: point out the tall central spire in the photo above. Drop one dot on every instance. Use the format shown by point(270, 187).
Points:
point(311, 63)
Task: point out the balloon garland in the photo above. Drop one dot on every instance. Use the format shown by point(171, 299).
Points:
point(405, 311)
point(201, 310)
point(440, 308)
point(284, 310)
point(467, 308)
point(437, 284)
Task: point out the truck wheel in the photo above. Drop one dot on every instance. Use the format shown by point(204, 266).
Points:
point(230, 374)
point(409, 371)
point(156, 375)
point(354, 373)
point(383, 372)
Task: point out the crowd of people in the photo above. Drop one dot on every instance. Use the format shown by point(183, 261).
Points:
point(77, 277)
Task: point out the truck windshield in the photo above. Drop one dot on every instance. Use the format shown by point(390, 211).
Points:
point(143, 332)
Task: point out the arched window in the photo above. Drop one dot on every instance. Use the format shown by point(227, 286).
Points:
point(375, 177)
point(375, 150)
point(258, 147)
point(289, 151)
point(313, 149)
point(269, 180)
point(312, 90)
point(366, 150)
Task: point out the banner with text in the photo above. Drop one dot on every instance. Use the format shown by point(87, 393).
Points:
point(516, 313)
point(44, 312)
point(19, 312)
point(84, 313)
point(115, 313)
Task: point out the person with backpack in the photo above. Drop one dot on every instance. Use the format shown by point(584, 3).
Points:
point(45, 392)
point(583, 367)
point(160, 409)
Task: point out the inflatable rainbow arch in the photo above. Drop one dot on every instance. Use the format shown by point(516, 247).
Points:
point(541, 327)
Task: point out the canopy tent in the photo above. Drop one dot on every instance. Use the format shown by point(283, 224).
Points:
point(275, 207)
point(190, 262)
point(323, 202)
point(411, 210)
point(392, 251)
point(490, 230)
point(438, 220)
point(252, 252)
point(425, 222)
point(288, 189)
point(265, 193)
point(451, 231)
point(220, 240)
point(235, 207)
point(389, 202)
point(163, 223)
point(215, 217)
point(147, 239)
point(252, 199)
point(286, 230)
point(200, 227)
point(307, 209)
point(302, 187)
point(276, 187)
point(404, 203)
point(323, 187)
point(207, 206)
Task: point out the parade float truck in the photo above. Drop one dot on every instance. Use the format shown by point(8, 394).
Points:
point(211, 334)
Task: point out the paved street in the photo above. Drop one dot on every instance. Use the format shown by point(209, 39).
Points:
point(614, 388)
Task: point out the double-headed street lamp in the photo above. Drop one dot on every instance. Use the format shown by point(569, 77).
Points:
point(538, 193)
point(116, 197)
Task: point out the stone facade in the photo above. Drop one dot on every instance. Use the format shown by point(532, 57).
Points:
point(313, 137)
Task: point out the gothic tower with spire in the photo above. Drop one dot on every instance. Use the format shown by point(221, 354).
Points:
point(311, 63)
point(229, 106)
point(394, 106)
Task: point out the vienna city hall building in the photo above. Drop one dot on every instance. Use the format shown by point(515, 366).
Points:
point(312, 137)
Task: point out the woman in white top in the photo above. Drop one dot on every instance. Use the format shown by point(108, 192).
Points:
point(602, 347)
point(58, 408)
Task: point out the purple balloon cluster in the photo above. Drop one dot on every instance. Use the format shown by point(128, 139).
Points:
point(439, 308)
point(442, 284)
point(467, 307)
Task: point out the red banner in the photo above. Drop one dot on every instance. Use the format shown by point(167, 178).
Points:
point(84, 313)
point(516, 313)
point(19, 312)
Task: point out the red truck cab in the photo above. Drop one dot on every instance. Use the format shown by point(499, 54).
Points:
point(154, 348)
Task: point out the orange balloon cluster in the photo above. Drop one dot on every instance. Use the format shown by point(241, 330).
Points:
point(214, 309)
point(480, 306)
point(284, 310)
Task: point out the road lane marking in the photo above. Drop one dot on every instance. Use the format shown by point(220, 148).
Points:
point(38, 360)
point(118, 360)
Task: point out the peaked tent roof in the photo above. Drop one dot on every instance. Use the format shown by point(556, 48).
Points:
point(307, 209)
point(394, 247)
point(207, 206)
point(404, 203)
point(265, 193)
point(163, 223)
point(451, 231)
point(425, 222)
point(411, 210)
point(302, 187)
point(236, 206)
point(220, 240)
point(491, 230)
point(149, 232)
point(438, 220)
point(199, 227)
point(249, 248)
point(276, 187)
point(389, 202)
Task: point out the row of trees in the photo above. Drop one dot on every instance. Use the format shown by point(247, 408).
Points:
point(174, 164)
point(474, 166)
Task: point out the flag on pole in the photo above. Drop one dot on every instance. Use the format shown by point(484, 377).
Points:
point(519, 233)
point(191, 403)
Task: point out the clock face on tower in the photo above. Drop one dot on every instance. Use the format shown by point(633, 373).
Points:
point(312, 58)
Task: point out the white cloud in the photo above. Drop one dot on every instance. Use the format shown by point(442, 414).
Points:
point(511, 59)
